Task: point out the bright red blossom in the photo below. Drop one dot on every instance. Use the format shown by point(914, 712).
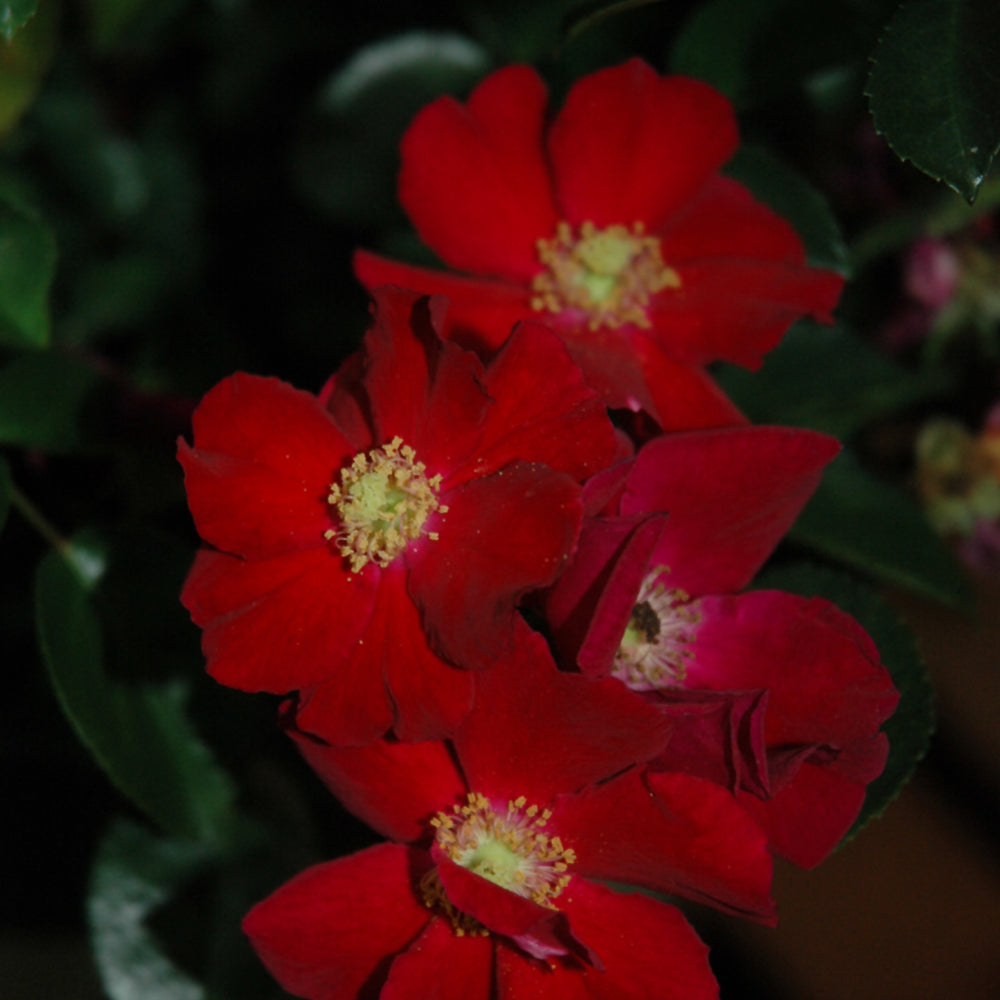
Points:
point(487, 890)
point(612, 225)
point(367, 540)
point(776, 696)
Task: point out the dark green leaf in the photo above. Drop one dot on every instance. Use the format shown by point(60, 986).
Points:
point(591, 17)
point(27, 266)
point(794, 198)
point(934, 88)
point(828, 379)
point(15, 14)
point(136, 873)
point(52, 402)
point(23, 65)
point(875, 528)
point(6, 488)
point(909, 730)
point(138, 733)
point(348, 158)
point(759, 50)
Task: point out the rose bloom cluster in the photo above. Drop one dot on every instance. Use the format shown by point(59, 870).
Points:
point(516, 642)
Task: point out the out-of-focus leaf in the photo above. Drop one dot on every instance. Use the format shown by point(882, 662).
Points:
point(909, 730)
point(106, 170)
point(348, 157)
point(794, 198)
point(934, 88)
point(827, 379)
point(108, 18)
point(52, 402)
point(24, 63)
point(135, 873)
point(758, 50)
point(6, 488)
point(14, 14)
point(138, 733)
point(590, 16)
point(27, 266)
point(875, 528)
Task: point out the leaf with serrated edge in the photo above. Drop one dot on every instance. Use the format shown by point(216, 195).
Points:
point(934, 88)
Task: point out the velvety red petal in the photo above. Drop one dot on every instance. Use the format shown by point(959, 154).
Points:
point(258, 474)
point(645, 948)
point(731, 495)
point(520, 977)
point(542, 411)
point(474, 181)
point(422, 696)
point(761, 640)
point(537, 929)
point(332, 931)
point(536, 731)
point(808, 818)
point(737, 310)
point(628, 369)
point(631, 146)
point(502, 536)
point(718, 736)
point(595, 594)
point(396, 788)
point(277, 624)
point(439, 965)
point(670, 833)
point(481, 312)
point(430, 695)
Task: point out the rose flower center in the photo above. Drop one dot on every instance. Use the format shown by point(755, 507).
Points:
point(383, 500)
point(653, 651)
point(509, 848)
point(609, 274)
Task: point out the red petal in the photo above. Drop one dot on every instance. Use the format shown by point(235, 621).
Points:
point(258, 474)
point(528, 714)
point(762, 639)
point(474, 179)
point(481, 312)
point(537, 929)
point(670, 833)
point(808, 818)
point(731, 495)
point(277, 624)
point(442, 966)
point(396, 788)
point(645, 948)
point(523, 978)
point(630, 146)
point(330, 933)
point(542, 410)
point(503, 535)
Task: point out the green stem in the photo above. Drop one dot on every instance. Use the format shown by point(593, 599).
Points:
point(947, 215)
point(37, 519)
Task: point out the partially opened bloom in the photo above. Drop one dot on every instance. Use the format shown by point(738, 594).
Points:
point(776, 696)
point(367, 540)
point(611, 224)
point(487, 889)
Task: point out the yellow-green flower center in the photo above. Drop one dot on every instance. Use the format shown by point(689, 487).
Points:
point(383, 500)
point(509, 848)
point(607, 274)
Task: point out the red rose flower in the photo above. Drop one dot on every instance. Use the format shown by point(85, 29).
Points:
point(775, 695)
point(367, 540)
point(612, 225)
point(487, 888)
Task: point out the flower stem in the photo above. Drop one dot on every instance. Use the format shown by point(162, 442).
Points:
point(36, 519)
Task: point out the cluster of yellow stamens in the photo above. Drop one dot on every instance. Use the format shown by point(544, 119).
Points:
point(383, 500)
point(608, 274)
point(509, 848)
point(654, 651)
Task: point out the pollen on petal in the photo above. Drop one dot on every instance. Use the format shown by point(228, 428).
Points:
point(608, 274)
